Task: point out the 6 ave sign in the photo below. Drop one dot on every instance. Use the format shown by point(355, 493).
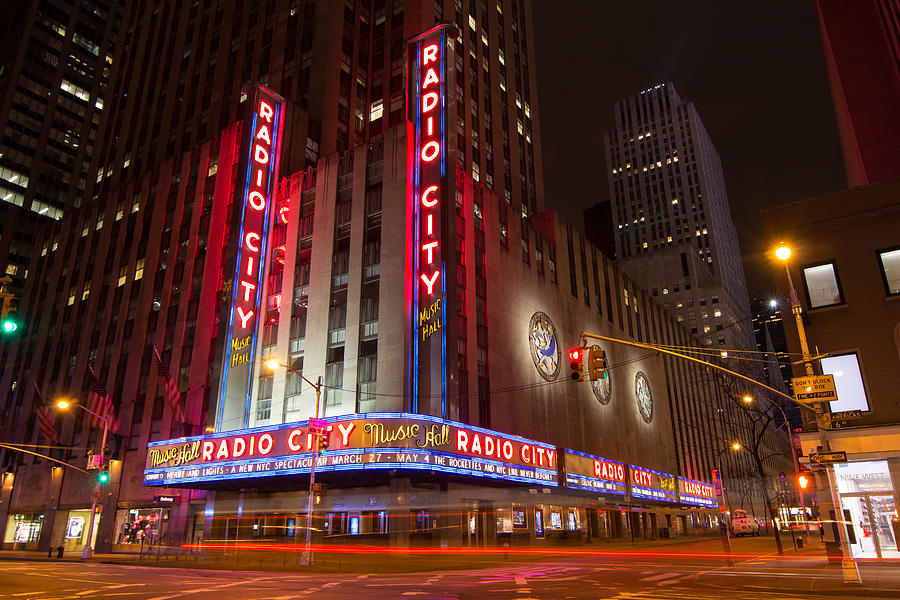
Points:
point(815, 388)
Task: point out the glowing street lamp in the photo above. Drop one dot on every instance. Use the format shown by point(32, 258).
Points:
point(102, 477)
point(273, 364)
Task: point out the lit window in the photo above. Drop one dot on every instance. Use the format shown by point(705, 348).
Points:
point(139, 269)
point(11, 269)
point(822, 286)
point(376, 110)
point(86, 291)
point(890, 270)
point(472, 22)
point(848, 382)
point(99, 223)
point(120, 211)
point(123, 275)
point(71, 296)
point(85, 230)
point(706, 329)
point(717, 313)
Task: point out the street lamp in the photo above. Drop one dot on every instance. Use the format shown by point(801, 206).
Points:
point(849, 569)
point(726, 529)
point(272, 365)
point(748, 399)
point(88, 550)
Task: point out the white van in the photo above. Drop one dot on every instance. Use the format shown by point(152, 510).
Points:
point(742, 524)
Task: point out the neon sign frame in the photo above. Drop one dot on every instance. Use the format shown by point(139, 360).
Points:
point(263, 150)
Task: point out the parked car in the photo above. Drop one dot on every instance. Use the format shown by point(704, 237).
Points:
point(742, 524)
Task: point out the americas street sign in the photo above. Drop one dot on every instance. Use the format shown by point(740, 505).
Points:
point(815, 388)
point(827, 458)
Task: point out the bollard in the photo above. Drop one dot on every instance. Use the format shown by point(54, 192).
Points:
point(799, 542)
point(59, 551)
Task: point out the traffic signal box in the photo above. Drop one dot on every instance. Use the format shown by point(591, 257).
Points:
point(596, 363)
point(576, 358)
point(103, 475)
point(322, 442)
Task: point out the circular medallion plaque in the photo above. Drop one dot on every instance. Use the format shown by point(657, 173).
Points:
point(544, 346)
point(643, 396)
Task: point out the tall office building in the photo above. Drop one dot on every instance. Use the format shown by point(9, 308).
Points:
point(861, 44)
point(672, 221)
point(391, 263)
point(55, 61)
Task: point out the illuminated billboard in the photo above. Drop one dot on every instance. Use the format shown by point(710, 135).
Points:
point(430, 217)
point(251, 221)
point(652, 485)
point(697, 493)
point(593, 473)
point(356, 442)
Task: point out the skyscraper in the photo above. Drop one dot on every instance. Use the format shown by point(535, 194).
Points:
point(55, 62)
point(672, 221)
point(861, 44)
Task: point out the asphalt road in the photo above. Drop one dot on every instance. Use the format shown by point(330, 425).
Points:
point(650, 574)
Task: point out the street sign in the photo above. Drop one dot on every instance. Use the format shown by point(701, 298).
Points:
point(847, 414)
point(841, 420)
point(827, 458)
point(317, 425)
point(815, 388)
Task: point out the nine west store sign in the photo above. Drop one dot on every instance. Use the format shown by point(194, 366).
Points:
point(404, 441)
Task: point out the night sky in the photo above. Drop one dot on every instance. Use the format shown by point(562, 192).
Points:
point(754, 70)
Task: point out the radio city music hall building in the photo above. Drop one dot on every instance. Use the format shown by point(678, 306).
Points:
point(437, 318)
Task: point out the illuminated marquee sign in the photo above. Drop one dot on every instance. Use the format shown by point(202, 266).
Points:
point(429, 215)
point(652, 485)
point(697, 493)
point(262, 143)
point(593, 473)
point(362, 441)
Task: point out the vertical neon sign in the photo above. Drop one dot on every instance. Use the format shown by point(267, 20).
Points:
point(430, 158)
point(263, 145)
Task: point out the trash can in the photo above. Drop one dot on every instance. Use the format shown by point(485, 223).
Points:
point(799, 542)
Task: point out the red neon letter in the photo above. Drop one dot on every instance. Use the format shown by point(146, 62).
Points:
point(238, 447)
point(244, 317)
point(345, 432)
point(429, 53)
point(256, 200)
point(223, 450)
point(429, 224)
point(292, 440)
point(263, 134)
point(430, 77)
point(248, 287)
point(430, 151)
point(430, 284)
point(429, 250)
point(462, 441)
point(260, 155)
point(429, 101)
point(265, 443)
point(251, 240)
point(525, 454)
point(426, 201)
point(265, 111)
point(208, 448)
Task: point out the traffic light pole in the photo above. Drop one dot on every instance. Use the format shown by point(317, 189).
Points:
point(88, 551)
point(310, 505)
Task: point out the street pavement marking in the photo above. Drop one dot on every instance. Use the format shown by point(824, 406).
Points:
point(661, 576)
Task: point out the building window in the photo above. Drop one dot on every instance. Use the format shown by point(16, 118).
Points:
point(851, 391)
point(822, 285)
point(890, 270)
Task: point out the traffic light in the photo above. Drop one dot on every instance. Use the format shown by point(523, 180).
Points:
point(596, 363)
point(803, 480)
point(576, 356)
point(323, 443)
point(10, 324)
point(103, 475)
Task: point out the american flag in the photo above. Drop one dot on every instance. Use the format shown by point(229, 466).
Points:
point(46, 420)
point(173, 394)
point(47, 424)
point(100, 403)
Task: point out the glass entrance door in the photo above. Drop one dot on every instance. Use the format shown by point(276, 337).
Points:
point(873, 532)
point(882, 510)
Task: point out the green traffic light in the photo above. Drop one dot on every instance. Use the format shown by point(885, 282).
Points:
point(9, 326)
point(103, 478)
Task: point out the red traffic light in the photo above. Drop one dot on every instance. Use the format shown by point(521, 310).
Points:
point(575, 354)
point(803, 480)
